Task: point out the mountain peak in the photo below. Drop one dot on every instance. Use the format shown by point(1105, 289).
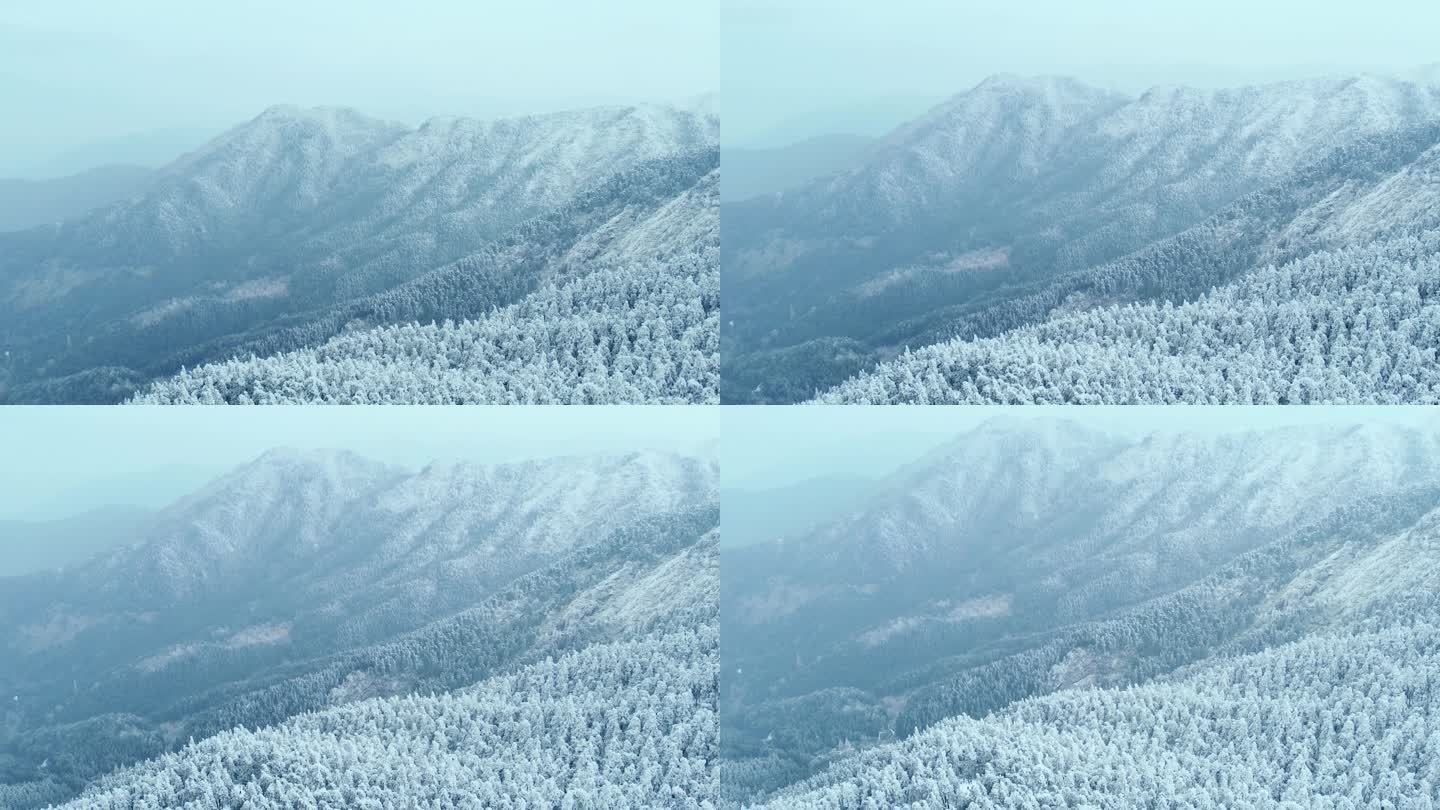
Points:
point(1027, 116)
point(232, 161)
point(1002, 436)
point(337, 125)
point(1031, 83)
point(1047, 90)
point(289, 468)
point(308, 456)
point(316, 115)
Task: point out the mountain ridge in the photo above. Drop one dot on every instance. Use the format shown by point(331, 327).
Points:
point(1004, 567)
point(307, 579)
point(301, 211)
point(819, 294)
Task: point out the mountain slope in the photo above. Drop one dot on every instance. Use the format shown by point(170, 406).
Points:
point(986, 214)
point(623, 309)
point(1354, 325)
point(305, 581)
point(1345, 718)
point(593, 728)
point(1353, 235)
point(302, 216)
point(1016, 562)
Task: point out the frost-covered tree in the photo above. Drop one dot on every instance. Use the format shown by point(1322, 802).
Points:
point(261, 243)
point(1346, 719)
point(1022, 565)
point(630, 724)
point(306, 581)
point(644, 333)
point(1351, 325)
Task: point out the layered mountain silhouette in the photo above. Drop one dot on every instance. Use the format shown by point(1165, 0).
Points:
point(1026, 198)
point(758, 515)
point(37, 545)
point(614, 298)
point(288, 230)
point(753, 172)
point(308, 581)
point(1026, 579)
point(26, 203)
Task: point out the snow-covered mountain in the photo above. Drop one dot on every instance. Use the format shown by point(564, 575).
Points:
point(1018, 561)
point(255, 242)
point(306, 580)
point(1361, 707)
point(623, 309)
point(593, 728)
point(957, 222)
point(333, 175)
point(1022, 478)
point(1316, 289)
point(1346, 326)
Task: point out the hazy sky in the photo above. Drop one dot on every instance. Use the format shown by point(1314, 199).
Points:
point(796, 59)
point(73, 71)
point(766, 447)
point(62, 460)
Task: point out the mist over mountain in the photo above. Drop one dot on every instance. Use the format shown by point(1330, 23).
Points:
point(141, 150)
point(30, 203)
point(35, 545)
point(753, 172)
point(309, 582)
point(1023, 201)
point(609, 304)
point(1030, 584)
point(759, 515)
point(305, 224)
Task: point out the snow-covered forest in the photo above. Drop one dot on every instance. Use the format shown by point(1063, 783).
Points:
point(315, 629)
point(1042, 240)
point(625, 724)
point(321, 255)
point(1044, 614)
point(1349, 719)
point(643, 333)
point(1350, 325)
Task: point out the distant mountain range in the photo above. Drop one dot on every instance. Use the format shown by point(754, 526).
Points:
point(148, 150)
point(30, 546)
point(1020, 578)
point(760, 515)
point(307, 581)
point(749, 127)
point(1023, 202)
point(31, 203)
point(756, 172)
point(304, 224)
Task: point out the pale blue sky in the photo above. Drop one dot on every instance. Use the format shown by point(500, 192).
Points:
point(74, 71)
point(767, 447)
point(788, 60)
point(61, 460)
